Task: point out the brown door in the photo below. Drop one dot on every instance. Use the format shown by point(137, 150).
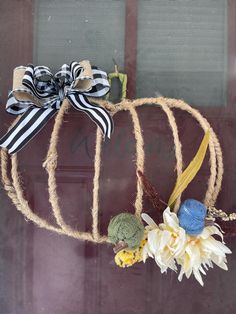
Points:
point(180, 49)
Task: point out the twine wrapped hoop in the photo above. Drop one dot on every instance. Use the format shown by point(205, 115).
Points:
point(14, 189)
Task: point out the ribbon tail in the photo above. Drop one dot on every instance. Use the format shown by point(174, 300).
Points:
point(30, 123)
point(97, 114)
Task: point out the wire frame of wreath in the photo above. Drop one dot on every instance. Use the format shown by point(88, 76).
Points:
point(14, 189)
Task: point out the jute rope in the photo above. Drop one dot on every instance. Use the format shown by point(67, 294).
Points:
point(97, 171)
point(20, 202)
point(14, 189)
point(50, 164)
point(138, 205)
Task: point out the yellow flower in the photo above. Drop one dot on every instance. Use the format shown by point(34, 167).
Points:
point(165, 241)
point(201, 252)
point(127, 258)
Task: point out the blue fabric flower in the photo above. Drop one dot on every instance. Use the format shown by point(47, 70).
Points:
point(192, 214)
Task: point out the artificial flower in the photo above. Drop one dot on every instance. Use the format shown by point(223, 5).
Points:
point(170, 246)
point(165, 241)
point(201, 252)
point(127, 258)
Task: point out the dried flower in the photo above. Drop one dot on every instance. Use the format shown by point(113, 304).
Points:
point(201, 252)
point(127, 258)
point(170, 246)
point(165, 241)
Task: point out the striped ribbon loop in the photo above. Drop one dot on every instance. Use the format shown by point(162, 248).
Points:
point(38, 94)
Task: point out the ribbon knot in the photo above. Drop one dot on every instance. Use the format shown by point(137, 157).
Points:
point(62, 94)
point(37, 95)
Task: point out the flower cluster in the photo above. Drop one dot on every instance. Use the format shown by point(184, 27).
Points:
point(170, 246)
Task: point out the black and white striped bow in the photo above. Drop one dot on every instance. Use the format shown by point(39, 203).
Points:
point(38, 94)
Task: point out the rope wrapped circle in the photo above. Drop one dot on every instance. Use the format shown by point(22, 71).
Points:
point(14, 188)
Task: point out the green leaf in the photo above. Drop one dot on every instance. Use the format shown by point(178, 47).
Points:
point(190, 172)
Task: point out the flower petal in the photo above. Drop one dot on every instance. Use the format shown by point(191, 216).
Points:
point(212, 245)
point(170, 218)
point(165, 238)
point(149, 220)
point(198, 276)
point(208, 231)
point(219, 262)
point(153, 240)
